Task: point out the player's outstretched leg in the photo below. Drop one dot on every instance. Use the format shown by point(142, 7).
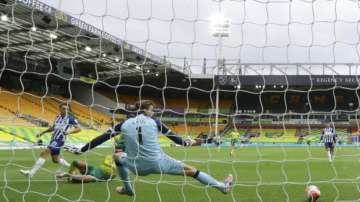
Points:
point(124, 175)
point(61, 161)
point(75, 165)
point(38, 164)
point(205, 179)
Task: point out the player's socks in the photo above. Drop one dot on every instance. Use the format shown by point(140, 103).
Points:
point(329, 156)
point(63, 162)
point(25, 172)
point(124, 175)
point(206, 179)
point(38, 164)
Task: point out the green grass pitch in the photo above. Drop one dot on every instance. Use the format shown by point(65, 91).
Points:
point(261, 174)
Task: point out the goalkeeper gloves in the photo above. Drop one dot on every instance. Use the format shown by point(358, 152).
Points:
point(188, 141)
point(72, 149)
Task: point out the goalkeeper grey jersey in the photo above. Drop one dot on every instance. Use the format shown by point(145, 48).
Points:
point(141, 137)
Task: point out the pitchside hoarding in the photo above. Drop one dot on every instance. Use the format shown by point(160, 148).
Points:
point(291, 80)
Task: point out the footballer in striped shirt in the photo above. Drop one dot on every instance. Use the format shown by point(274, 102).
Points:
point(64, 124)
point(328, 136)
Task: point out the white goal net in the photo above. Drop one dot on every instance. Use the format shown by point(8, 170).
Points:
point(252, 82)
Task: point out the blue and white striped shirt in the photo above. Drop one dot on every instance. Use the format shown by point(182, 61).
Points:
point(62, 125)
point(328, 135)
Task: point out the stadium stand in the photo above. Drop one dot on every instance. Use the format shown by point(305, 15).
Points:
point(47, 109)
point(15, 103)
point(193, 105)
point(268, 135)
point(9, 118)
point(193, 130)
point(290, 135)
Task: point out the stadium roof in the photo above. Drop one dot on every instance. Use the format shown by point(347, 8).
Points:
point(37, 33)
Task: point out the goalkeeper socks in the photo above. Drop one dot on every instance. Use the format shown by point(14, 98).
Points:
point(206, 179)
point(38, 164)
point(124, 175)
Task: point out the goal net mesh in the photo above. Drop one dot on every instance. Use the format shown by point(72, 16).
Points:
point(253, 80)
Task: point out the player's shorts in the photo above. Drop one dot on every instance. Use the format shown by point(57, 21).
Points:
point(96, 172)
point(55, 146)
point(164, 165)
point(329, 145)
point(233, 142)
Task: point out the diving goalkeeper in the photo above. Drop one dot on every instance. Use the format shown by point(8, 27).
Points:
point(144, 155)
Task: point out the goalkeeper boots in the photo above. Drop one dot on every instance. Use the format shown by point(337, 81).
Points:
point(228, 183)
point(123, 191)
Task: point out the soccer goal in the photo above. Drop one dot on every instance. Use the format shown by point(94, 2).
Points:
point(180, 100)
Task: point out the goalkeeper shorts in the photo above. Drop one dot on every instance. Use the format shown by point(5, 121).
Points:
point(164, 165)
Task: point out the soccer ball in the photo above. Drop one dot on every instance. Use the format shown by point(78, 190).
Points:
point(312, 193)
